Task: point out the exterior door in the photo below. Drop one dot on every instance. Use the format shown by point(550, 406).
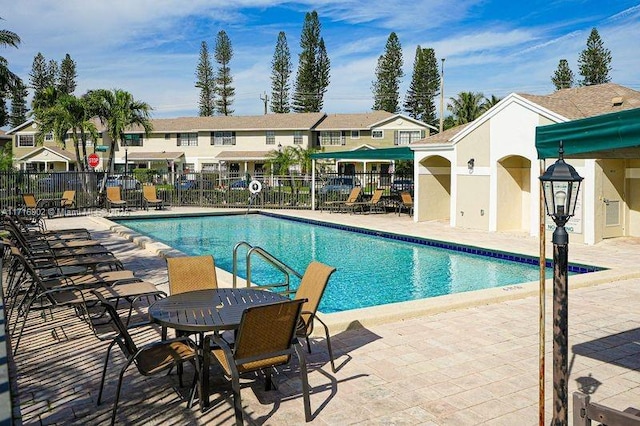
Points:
point(613, 197)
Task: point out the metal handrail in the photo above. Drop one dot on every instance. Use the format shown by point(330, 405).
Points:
point(269, 258)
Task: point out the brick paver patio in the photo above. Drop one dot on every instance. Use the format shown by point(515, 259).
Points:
point(467, 366)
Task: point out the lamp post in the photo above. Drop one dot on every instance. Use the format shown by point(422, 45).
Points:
point(560, 185)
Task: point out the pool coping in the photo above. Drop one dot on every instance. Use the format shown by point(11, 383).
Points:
point(392, 312)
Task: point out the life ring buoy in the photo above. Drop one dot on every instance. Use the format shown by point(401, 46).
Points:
point(255, 186)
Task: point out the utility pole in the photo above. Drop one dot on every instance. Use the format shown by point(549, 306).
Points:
point(265, 100)
point(442, 96)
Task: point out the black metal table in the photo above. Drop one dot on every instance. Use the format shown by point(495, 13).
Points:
point(208, 310)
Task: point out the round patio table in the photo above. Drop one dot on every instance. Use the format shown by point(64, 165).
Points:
point(205, 311)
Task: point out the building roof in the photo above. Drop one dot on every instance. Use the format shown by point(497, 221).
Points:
point(293, 121)
point(243, 155)
point(59, 152)
point(588, 101)
point(440, 138)
point(363, 121)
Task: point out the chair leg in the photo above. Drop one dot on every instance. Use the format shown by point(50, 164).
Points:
point(326, 333)
point(104, 371)
point(115, 402)
point(305, 382)
point(237, 401)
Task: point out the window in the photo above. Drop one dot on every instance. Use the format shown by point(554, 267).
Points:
point(25, 140)
point(209, 167)
point(297, 137)
point(332, 138)
point(187, 139)
point(271, 137)
point(377, 134)
point(223, 138)
point(48, 137)
point(405, 137)
point(167, 136)
point(355, 134)
point(133, 140)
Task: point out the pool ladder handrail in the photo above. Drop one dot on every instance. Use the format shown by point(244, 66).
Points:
point(269, 258)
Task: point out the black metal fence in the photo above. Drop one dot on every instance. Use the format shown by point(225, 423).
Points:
point(196, 189)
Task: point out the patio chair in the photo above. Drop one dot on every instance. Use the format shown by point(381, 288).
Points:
point(372, 204)
point(150, 359)
point(353, 197)
point(266, 339)
point(189, 273)
point(150, 197)
point(312, 286)
point(68, 201)
point(406, 203)
point(114, 198)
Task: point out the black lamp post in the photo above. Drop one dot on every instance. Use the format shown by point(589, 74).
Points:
point(560, 185)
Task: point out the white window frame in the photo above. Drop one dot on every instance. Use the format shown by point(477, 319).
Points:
point(220, 138)
point(297, 137)
point(270, 137)
point(29, 141)
point(48, 137)
point(355, 134)
point(377, 132)
point(411, 136)
point(331, 138)
point(188, 139)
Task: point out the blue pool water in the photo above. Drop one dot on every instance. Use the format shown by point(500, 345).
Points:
point(371, 270)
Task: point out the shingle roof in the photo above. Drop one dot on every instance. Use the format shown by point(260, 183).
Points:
point(588, 101)
point(299, 121)
point(353, 121)
point(440, 138)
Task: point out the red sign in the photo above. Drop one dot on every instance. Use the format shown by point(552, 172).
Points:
point(94, 160)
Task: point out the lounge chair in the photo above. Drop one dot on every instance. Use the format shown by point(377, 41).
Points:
point(68, 201)
point(114, 198)
point(265, 339)
point(312, 286)
point(189, 273)
point(406, 203)
point(353, 197)
point(373, 203)
point(150, 359)
point(150, 197)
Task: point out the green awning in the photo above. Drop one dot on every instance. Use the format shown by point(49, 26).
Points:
point(614, 135)
point(401, 153)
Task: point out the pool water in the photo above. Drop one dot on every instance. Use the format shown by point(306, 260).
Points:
point(371, 270)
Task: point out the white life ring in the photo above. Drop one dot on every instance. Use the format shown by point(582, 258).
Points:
point(255, 186)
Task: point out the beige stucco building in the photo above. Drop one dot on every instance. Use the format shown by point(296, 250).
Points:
point(484, 175)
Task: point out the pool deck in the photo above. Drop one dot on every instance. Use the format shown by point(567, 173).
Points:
point(462, 359)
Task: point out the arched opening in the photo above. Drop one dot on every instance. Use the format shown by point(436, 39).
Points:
point(514, 194)
point(434, 199)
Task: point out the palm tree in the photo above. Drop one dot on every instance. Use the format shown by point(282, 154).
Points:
point(489, 103)
point(118, 111)
point(466, 107)
point(282, 159)
point(8, 80)
point(69, 114)
point(302, 157)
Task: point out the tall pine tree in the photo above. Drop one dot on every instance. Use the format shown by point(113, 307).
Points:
point(205, 81)
point(386, 87)
point(280, 74)
point(38, 77)
point(562, 78)
point(67, 80)
point(424, 87)
point(224, 89)
point(595, 61)
point(312, 78)
point(19, 108)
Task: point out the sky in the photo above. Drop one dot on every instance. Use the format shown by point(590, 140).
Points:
point(151, 47)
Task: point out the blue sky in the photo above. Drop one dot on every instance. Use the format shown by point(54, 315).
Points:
point(151, 47)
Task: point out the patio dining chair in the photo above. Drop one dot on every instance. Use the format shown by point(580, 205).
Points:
point(353, 197)
point(266, 339)
point(373, 204)
point(114, 198)
point(150, 197)
point(312, 286)
point(150, 359)
point(190, 273)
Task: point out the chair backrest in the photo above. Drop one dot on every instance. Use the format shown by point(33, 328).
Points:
point(312, 286)
point(377, 196)
point(29, 201)
point(68, 198)
point(113, 193)
point(354, 195)
point(406, 198)
point(127, 344)
point(149, 192)
point(189, 273)
point(266, 334)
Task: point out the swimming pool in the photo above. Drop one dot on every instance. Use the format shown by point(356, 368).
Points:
point(372, 268)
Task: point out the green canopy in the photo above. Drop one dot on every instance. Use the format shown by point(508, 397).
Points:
point(614, 135)
point(401, 153)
